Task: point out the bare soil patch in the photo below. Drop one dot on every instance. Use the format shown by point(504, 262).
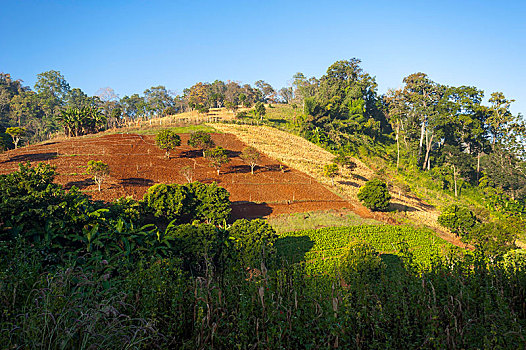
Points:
point(136, 164)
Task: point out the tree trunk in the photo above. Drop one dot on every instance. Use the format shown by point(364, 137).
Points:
point(397, 145)
point(167, 154)
point(218, 169)
point(428, 150)
point(455, 180)
point(252, 168)
point(422, 130)
point(478, 166)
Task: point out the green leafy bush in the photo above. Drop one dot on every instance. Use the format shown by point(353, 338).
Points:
point(173, 202)
point(375, 195)
point(211, 202)
point(217, 157)
point(458, 219)
point(254, 242)
point(167, 140)
point(201, 247)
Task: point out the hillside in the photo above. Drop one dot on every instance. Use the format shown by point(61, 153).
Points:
point(136, 164)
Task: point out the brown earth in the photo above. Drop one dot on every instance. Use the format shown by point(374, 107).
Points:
point(136, 164)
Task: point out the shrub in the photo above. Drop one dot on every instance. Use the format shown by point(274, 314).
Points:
point(200, 247)
point(458, 219)
point(167, 140)
point(375, 195)
point(494, 238)
point(201, 139)
point(186, 203)
point(211, 202)
point(254, 241)
point(173, 202)
point(99, 170)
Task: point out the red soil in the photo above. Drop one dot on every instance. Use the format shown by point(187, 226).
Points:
point(136, 164)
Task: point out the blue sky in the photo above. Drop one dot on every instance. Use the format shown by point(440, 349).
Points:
point(133, 45)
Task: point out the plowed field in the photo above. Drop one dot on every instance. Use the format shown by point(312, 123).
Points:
point(136, 164)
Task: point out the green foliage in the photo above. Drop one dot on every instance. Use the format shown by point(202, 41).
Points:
point(16, 133)
point(259, 109)
point(172, 202)
point(211, 202)
point(251, 156)
point(345, 162)
point(217, 156)
point(81, 120)
point(167, 140)
point(189, 202)
point(375, 195)
point(331, 171)
point(201, 247)
point(362, 261)
point(493, 238)
point(99, 170)
point(460, 220)
point(254, 242)
point(201, 139)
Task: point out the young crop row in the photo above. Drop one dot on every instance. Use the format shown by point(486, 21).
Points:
point(321, 249)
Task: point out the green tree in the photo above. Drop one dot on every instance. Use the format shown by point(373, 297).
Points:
point(362, 262)
point(167, 140)
point(201, 139)
point(331, 171)
point(217, 156)
point(375, 195)
point(99, 170)
point(259, 109)
point(16, 133)
point(458, 219)
point(494, 238)
point(251, 156)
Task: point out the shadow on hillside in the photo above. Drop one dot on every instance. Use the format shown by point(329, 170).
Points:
point(359, 177)
point(249, 210)
point(276, 167)
point(193, 153)
point(349, 183)
point(277, 121)
point(33, 157)
point(233, 154)
point(240, 169)
point(81, 184)
point(400, 207)
point(292, 249)
point(136, 181)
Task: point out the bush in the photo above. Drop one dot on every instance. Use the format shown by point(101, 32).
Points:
point(375, 195)
point(211, 202)
point(173, 202)
point(458, 219)
point(493, 238)
point(200, 247)
point(189, 202)
point(167, 140)
point(254, 242)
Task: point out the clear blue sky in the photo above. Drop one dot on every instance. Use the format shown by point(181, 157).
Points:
point(132, 45)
